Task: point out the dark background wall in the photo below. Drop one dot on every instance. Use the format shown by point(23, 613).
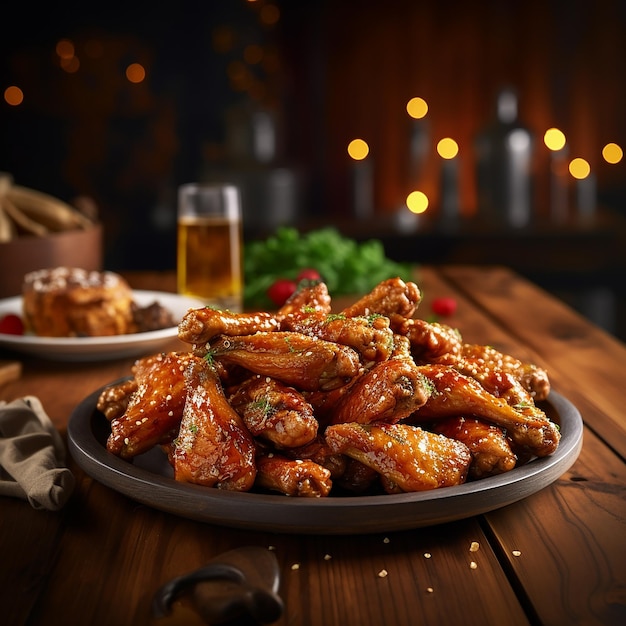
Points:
point(324, 72)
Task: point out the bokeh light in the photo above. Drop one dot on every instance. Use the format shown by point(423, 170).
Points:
point(358, 149)
point(417, 108)
point(579, 168)
point(13, 95)
point(417, 202)
point(270, 14)
point(447, 148)
point(612, 153)
point(135, 73)
point(71, 65)
point(554, 139)
point(65, 49)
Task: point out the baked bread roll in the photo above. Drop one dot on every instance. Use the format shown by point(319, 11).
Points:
point(72, 302)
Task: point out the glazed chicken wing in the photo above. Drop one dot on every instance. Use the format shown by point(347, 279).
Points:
point(482, 362)
point(407, 457)
point(113, 400)
point(213, 447)
point(310, 296)
point(390, 297)
point(389, 392)
point(275, 412)
point(305, 362)
point(155, 409)
point(490, 448)
point(319, 452)
point(303, 478)
point(429, 340)
point(357, 478)
point(370, 336)
point(199, 326)
point(455, 394)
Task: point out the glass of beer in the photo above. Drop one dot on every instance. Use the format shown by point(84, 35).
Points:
point(209, 264)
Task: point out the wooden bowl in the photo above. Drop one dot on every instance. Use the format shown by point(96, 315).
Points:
point(71, 248)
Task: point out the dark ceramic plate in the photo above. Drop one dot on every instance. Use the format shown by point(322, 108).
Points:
point(148, 479)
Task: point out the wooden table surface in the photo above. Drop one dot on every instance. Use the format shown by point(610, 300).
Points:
point(557, 557)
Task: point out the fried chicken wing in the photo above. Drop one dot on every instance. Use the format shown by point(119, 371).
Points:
point(200, 325)
point(305, 362)
point(309, 297)
point(213, 447)
point(490, 448)
point(319, 452)
point(484, 363)
point(274, 411)
point(407, 457)
point(390, 297)
point(389, 392)
point(357, 478)
point(370, 336)
point(155, 409)
point(113, 400)
point(303, 478)
point(455, 394)
point(429, 340)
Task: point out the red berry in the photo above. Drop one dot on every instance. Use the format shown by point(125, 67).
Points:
point(11, 324)
point(308, 274)
point(280, 290)
point(444, 306)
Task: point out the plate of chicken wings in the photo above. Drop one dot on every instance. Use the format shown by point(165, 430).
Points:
point(149, 303)
point(311, 421)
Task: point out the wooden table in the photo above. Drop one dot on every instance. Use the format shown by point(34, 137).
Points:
point(557, 557)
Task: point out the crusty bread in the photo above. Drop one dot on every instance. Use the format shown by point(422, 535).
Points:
point(72, 302)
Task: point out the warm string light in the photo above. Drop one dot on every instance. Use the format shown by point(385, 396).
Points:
point(447, 148)
point(362, 179)
point(417, 202)
point(417, 108)
point(13, 95)
point(358, 149)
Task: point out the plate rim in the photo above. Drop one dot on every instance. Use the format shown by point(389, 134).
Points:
point(293, 515)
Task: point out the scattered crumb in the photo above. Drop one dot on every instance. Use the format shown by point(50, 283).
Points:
point(429, 589)
point(516, 553)
point(327, 557)
point(427, 555)
point(473, 565)
point(271, 547)
point(386, 540)
point(383, 573)
point(474, 546)
point(295, 566)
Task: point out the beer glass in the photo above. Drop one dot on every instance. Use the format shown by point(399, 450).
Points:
point(209, 249)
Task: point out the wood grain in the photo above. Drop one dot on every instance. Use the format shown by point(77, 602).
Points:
point(101, 559)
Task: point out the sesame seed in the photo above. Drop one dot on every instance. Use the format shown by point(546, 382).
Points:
point(383, 573)
point(295, 566)
point(516, 553)
point(427, 555)
point(386, 540)
point(473, 565)
point(474, 546)
point(327, 557)
point(429, 589)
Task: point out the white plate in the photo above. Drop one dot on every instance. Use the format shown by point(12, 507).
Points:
point(149, 479)
point(98, 348)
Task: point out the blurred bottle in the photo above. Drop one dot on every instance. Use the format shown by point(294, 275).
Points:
point(253, 160)
point(504, 152)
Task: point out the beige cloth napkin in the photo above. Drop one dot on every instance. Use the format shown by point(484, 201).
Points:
point(32, 456)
